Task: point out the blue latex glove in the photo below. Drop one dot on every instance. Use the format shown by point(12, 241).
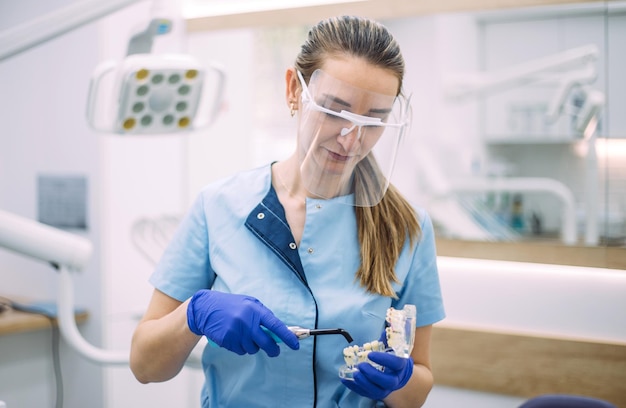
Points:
point(374, 384)
point(234, 322)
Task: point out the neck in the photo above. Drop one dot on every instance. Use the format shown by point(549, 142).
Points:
point(288, 181)
point(286, 176)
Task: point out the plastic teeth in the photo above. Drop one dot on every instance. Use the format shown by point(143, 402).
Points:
point(396, 331)
point(400, 332)
point(354, 355)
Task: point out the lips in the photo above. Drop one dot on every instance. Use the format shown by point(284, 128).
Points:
point(338, 157)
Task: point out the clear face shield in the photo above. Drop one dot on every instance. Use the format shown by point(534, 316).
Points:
point(348, 138)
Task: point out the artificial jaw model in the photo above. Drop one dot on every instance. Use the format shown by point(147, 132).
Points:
point(400, 336)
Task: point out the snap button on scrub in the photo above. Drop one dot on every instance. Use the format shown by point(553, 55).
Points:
point(260, 216)
point(292, 245)
point(310, 250)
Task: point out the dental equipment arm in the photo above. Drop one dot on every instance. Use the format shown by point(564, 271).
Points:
point(539, 70)
point(43, 242)
point(65, 252)
point(531, 185)
point(25, 36)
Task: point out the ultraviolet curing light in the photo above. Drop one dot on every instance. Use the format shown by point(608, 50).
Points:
point(302, 333)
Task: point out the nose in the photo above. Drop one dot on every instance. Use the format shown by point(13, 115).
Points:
point(349, 138)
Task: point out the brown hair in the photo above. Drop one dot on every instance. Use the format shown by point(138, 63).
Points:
point(384, 228)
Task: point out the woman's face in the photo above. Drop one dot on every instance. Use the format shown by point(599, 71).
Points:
point(350, 84)
point(348, 113)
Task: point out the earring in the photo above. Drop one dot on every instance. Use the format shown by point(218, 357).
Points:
point(292, 108)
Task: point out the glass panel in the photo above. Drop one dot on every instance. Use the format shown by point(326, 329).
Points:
point(503, 145)
point(539, 93)
point(514, 137)
point(612, 151)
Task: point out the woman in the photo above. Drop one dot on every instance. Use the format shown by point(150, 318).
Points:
point(319, 240)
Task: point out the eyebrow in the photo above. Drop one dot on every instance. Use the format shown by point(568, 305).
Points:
point(337, 100)
point(340, 101)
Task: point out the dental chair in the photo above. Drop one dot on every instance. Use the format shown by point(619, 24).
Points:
point(565, 401)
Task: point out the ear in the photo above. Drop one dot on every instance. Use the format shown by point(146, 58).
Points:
point(292, 88)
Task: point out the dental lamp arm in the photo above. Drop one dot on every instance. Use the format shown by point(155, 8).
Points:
point(141, 42)
point(42, 242)
point(539, 70)
point(69, 330)
point(66, 252)
point(25, 36)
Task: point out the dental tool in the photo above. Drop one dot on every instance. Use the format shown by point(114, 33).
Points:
point(303, 333)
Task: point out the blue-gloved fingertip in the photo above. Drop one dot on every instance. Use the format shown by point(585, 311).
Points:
point(389, 359)
point(294, 345)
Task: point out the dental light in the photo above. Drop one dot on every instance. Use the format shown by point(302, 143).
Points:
point(152, 93)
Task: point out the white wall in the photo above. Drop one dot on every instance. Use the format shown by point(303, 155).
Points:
point(41, 107)
point(226, 146)
point(435, 47)
point(42, 103)
point(556, 301)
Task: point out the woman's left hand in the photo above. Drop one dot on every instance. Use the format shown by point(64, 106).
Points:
point(375, 384)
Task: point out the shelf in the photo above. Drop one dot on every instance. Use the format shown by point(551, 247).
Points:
point(13, 321)
point(528, 364)
point(533, 140)
point(536, 252)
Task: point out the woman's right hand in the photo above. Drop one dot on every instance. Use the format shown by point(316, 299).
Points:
point(236, 323)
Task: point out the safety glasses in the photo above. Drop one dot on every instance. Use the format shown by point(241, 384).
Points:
point(358, 121)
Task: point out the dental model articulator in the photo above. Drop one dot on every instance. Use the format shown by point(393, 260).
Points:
point(400, 336)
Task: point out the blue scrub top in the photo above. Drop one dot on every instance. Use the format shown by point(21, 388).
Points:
point(236, 239)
